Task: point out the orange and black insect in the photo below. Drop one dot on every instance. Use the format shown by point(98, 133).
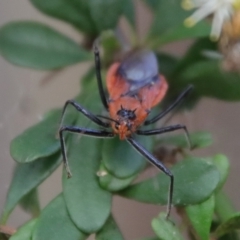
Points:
point(134, 86)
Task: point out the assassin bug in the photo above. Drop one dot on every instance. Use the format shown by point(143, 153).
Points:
point(134, 86)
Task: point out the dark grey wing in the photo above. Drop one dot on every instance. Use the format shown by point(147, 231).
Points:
point(139, 68)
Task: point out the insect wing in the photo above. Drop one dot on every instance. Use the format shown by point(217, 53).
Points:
point(139, 68)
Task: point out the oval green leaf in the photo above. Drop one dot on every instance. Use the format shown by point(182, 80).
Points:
point(166, 63)
point(72, 11)
point(195, 54)
point(109, 231)
point(30, 203)
point(210, 80)
point(129, 12)
point(90, 17)
point(31, 44)
point(121, 160)
point(25, 231)
point(150, 238)
point(54, 223)
point(194, 181)
point(110, 183)
point(224, 208)
point(39, 140)
point(200, 217)
point(153, 4)
point(182, 32)
point(168, 15)
point(26, 178)
point(105, 13)
point(233, 223)
point(110, 44)
point(168, 23)
point(198, 140)
point(88, 204)
point(165, 229)
point(223, 165)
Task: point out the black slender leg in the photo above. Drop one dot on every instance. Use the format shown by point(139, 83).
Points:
point(157, 163)
point(173, 105)
point(85, 112)
point(167, 129)
point(84, 131)
point(99, 78)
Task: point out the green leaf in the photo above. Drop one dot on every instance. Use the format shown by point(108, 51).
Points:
point(164, 229)
point(196, 53)
point(200, 217)
point(90, 17)
point(35, 45)
point(37, 141)
point(105, 13)
point(30, 203)
point(182, 32)
point(233, 223)
point(25, 231)
point(211, 81)
point(88, 82)
point(109, 231)
point(54, 223)
point(110, 183)
point(194, 181)
point(168, 23)
point(224, 208)
point(72, 11)
point(121, 160)
point(150, 238)
point(223, 165)
point(168, 15)
point(110, 44)
point(167, 63)
point(198, 140)
point(88, 204)
point(152, 3)
point(26, 178)
point(129, 12)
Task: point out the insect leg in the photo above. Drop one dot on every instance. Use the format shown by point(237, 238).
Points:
point(85, 112)
point(157, 163)
point(173, 105)
point(167, 129)
point(99, 78)
point(84, 131)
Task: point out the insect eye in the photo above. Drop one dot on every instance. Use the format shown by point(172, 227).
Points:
point(132, 116)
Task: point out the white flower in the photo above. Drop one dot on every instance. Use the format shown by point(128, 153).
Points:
point(222, 10)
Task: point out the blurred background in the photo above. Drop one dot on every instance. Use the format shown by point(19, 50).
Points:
point(25, 95)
